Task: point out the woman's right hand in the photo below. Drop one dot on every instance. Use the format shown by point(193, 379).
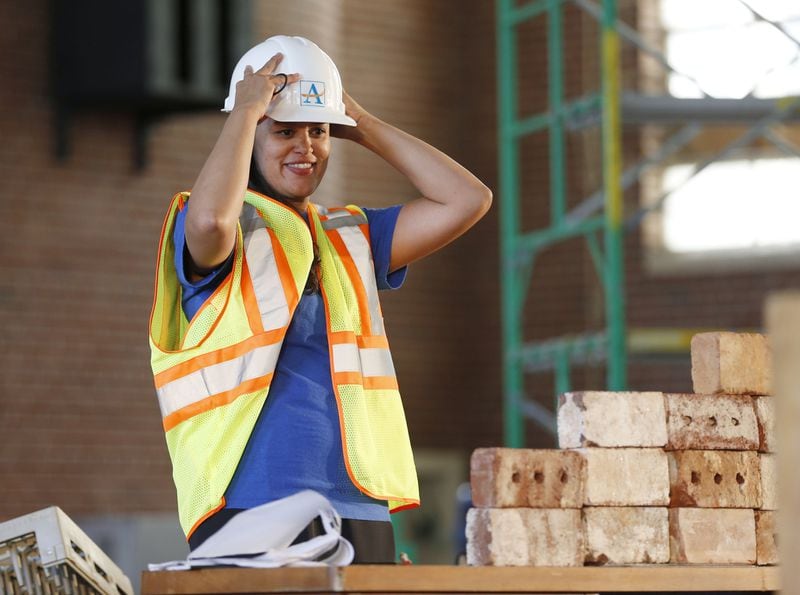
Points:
point(257, 88)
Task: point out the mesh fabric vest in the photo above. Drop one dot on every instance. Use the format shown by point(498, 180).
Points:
point(213, 373)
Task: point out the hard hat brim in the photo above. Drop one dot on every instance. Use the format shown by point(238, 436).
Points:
point(284, 112)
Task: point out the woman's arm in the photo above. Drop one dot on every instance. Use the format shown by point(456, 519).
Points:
point(452, 200)
point(217, 194)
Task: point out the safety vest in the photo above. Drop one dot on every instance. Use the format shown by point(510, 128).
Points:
point(213, 373)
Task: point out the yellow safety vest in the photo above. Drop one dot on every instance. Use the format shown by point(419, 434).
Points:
point(213, 373)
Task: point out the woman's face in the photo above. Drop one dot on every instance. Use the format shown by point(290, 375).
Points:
point(292, 157)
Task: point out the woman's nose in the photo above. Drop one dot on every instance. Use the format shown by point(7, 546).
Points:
point(303, 144)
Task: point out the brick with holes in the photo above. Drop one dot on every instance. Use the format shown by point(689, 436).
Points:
point(731, 363)
point(611, 419)
point(510, 478)
point(626, 477)
point(766, 538)
point(626, 535)
point(765, 412)
point(712, 536)
point(769, 488)
point(715, 479)
point(524, 537)
point(711, 422)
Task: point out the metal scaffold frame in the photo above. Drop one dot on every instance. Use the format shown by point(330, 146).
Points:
point(602, 211)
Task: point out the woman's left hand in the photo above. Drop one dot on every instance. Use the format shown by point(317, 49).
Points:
point(355, 111)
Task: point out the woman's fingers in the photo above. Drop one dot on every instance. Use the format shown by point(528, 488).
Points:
point(260, 85)
point(271, 64)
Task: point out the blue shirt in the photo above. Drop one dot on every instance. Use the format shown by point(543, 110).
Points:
point(296, 443)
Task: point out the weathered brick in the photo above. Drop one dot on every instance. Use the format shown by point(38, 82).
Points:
point(626, 535)
point(513, 478)
point(524, 537)
point(769, 486)
point(712, 536)
point(611, 419)
point(765, 412)
point(766, 538)
point(732, 363)
point(711, 422)
point(626, 477)
point(714, 479)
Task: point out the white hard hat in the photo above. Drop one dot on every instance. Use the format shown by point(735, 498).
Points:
point(316, 97)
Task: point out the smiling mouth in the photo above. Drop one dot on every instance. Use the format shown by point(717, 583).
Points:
point(302, 167)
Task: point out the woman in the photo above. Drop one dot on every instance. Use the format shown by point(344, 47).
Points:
point(279, 297)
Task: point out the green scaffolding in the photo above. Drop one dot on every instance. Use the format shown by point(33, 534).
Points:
point(519, 248)
point(603, 211)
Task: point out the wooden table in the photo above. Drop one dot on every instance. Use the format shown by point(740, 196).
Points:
point(461, 579)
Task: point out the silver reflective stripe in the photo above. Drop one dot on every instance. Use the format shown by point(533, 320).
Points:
point(371, 361)
point(264, 271)
point(377, 362)
point(345, 358)
point(343, 221)
point(358, 246)
point(217, 378)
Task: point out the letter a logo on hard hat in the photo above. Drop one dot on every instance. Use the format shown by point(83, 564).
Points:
point(312, 93)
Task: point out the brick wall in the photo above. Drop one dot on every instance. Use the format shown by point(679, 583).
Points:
point(79, 421)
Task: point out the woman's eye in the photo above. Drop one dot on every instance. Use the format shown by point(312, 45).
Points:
point(320, 131)
point(284, 132)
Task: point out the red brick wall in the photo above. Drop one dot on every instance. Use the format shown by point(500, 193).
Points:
point(79, 422)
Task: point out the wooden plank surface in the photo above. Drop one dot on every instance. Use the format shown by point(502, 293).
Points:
point(240, 580)
point(462, 579)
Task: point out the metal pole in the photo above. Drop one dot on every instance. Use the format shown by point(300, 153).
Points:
point(555, 92)
point(513, 423)
point(612, 182)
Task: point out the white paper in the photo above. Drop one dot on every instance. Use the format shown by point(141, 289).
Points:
point(262, 537)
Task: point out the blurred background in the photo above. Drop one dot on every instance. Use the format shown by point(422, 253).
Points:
point(644, 156)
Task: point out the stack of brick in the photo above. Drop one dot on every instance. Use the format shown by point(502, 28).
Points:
point(641, 478)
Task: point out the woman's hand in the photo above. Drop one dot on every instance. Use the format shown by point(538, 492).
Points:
point(355, 111)
point(257, 88)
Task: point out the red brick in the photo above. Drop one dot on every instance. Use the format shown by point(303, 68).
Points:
point(611, 419)
point(626, 477)
point(711, 422)
point(769, 484)
point(765, 412)
point(626, 535)
point(712, 536)
point(732, 363)
point(524, 537)
point(715, 479)
point(512, 478)
point(766, 538)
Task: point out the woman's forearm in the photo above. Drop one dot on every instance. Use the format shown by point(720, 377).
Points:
point(435, 175)
point(452, 199)
point(219, 190)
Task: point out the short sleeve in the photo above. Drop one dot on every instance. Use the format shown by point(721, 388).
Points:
point(381, 232)
point(195, 293)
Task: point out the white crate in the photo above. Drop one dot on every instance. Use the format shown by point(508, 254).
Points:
point(46, 552)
